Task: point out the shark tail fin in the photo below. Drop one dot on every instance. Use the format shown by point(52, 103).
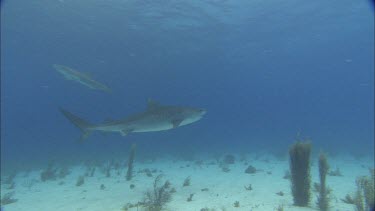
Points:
point(82, 124)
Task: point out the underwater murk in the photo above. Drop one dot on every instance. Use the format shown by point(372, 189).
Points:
point(187, 105)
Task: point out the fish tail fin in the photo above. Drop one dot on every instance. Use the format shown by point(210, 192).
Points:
point(82, 124)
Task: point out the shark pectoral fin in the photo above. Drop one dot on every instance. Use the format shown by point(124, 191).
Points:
point(84, 135)
point(126, 132)
point(176, 122)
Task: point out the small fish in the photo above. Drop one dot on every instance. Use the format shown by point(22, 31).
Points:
point(82, 78)
point(156, 118)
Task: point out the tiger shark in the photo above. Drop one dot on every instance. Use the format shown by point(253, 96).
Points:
point(82, 78)
point(156, 117)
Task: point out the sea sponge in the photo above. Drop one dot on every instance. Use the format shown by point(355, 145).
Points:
point(299, 163)
point(323, 200)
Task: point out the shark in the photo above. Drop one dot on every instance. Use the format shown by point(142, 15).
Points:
point(82, 78)
point(156, 117)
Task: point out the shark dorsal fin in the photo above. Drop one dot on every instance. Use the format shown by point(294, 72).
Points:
point(151, 104)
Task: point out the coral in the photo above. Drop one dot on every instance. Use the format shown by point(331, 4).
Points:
point(92, 172)
point(207, 209)
point(280, 208)
point(358, 200)
point(335, 173)
point(365, 185)
point(147, 171)
point(323, 199)
point(129, 173)
point(80, 181)
point(248, 187)
point(186, 182)
point(190, 198)
point(250, 170)
point(299, 163)
point(11, 186)
point(363, 198)
point(130, 205)
point(49, 174)
point(287, 175)
point(280, 193)
point(8, 199)
point(243, 157)
point(29, 183)
point(225, 169)
point(236, 204)
point(229, 159)
point(316, 187)
point(199, 163)
point(64, 171)
point(348, 199)
point(107, 170)
point(160, 195)
point(10, 178)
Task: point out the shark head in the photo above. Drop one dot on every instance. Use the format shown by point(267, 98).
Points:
point(191, 115)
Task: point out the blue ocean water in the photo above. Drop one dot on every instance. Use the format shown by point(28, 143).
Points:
point(265, 71)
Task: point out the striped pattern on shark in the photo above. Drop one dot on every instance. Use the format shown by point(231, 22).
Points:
point(156, 118)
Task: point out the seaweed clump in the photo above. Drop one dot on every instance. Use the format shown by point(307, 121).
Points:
point(129, 173)
point(160, 195)
point(323, 199)
point(299, 163)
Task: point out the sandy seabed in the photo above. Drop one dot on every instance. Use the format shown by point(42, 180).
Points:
point(221, 189)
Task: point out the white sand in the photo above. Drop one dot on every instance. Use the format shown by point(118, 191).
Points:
point(224, 188)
